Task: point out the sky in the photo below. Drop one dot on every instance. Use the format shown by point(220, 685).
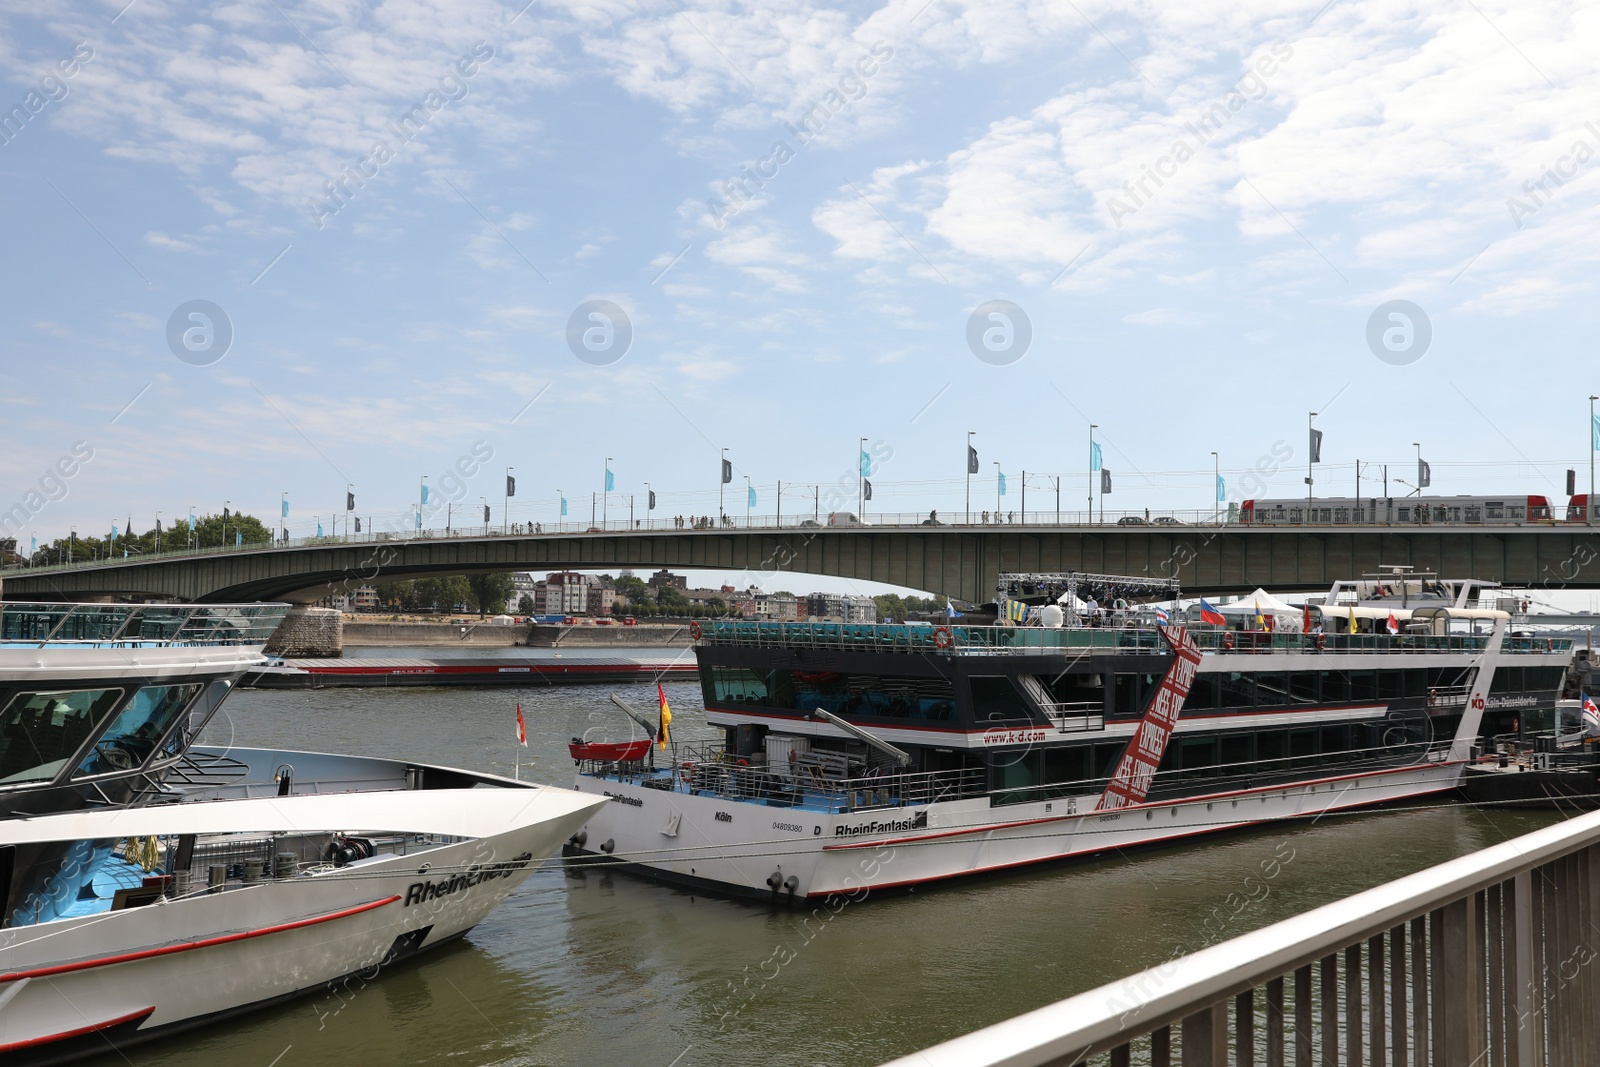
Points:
point(283, 247)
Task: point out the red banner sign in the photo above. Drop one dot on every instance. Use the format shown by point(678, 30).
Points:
point(1130, 782)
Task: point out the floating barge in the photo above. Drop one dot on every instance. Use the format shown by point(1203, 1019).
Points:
point(381, 673)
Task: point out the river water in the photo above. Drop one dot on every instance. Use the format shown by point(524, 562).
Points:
point(599, 968)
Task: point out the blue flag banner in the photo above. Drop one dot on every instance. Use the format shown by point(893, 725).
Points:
point(611, 481)
point(1594, 434)
point(1222, 489)
point(35, 547)
point(238, 537)
point(319, 528)
point(419, 520)
point(1094, 455)
point(866, 464)
point(424, 492)
point(752, 496)
point(563, 507)
point(286, 508)
point(1002, 483)
point(113, 531)
point(191, 522)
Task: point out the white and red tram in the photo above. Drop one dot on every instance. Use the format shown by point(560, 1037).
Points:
point(1415, 510)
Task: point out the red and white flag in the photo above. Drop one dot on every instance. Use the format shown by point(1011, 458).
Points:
point(1394, 626)
point(522, 728)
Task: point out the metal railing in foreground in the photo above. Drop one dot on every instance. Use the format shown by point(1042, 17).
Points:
point(1485, 960)
point(958, 638)
point(139, 624)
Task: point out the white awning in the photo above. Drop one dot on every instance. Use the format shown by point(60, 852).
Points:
point(479, 812)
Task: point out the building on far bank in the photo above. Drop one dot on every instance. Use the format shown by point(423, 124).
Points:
point(663, 578)
point(838, 607)
point(566, 593)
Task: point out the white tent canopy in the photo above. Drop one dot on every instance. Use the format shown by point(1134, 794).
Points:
point(1259, 602)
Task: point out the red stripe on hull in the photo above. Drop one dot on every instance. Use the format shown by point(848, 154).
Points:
point(92, 1028)
point(190, 946)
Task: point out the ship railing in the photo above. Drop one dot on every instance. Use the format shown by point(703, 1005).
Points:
point(1485, 959)
point(1077, 717)
point(138, 625)
point(1034, 640)
point(835, 785)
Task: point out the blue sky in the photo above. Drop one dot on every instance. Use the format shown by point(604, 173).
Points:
point(1336, 158)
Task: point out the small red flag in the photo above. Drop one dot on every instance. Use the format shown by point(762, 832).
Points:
point(1394, 624)
point(522, 728)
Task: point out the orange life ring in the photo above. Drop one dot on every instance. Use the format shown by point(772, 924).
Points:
point(1322, 642)
point(694, 630)
point(1227, 639)
point(942, 637)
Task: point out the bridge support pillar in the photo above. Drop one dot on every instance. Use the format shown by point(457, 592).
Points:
point(308, 631)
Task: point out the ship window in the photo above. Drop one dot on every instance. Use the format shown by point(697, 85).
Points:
point(1238, 690)
point(997, 700)
point(1506, 680)
point(1416, 683)
point(1105, 759)
point(1132, 691)
point(1391, 685)
point(137, 729)
point(1238, 746)
point(1303, 747)
point(1363, 685)
point(1335, 687)
point(39, 732)
point(1335, 744)
point(1303, 687)
point(1198, 755)
point(1272, 745)
point(1272, 688)
point(1069, 763)
point(1203, 694)
point(735, 684)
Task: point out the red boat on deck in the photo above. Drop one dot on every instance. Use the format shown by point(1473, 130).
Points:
point(609, 751)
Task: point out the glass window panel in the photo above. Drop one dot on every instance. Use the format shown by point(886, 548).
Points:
point(1335, 687)
point(1272, 688)
point(39, 732)
point(1303, 688)
point(1238, 747)
point(133, 735)
point(1363, 685)
point(1272, 745)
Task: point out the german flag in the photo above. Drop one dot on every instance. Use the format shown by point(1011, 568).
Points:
point(666, 719)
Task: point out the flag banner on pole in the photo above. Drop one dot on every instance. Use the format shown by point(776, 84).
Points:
point(1211, 614)
point(522, 728)
point(1594, 435)
point(319, 527)
point(35, 547)
point(1572, 482)
point(1394, 624)
point(1316, 446)
point(1424, 474)
point(226, 515)
point(511, 486)
point(866, 464)
point(191, 521)
point(158, 527)
point(652, 505)
point(1222, 489)
point(1105, 480)
point(866, 489)
point(285, 508)
point(1016, 611)
point(238, 535)
point(358, 525)
point(563, 507)
point(1352, 620)
point(1002, 475)
point(419, 520)
point(663, 733)
point(950, 609)
point(486, 513)
point(727, 472)
point(972, 458)
point(1094, 455)
point(113, 531)
point(349, 501)
point(1591, 713)
point(611, 481)
point(752, 498)
point(424, 492)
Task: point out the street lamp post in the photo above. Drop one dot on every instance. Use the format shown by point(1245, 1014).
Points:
point(720, 483)
point(1092, 428)
point(997, 477)
point(1024, 498)
point(861, 479)
point(1588, 505)
point(605, 495)
point(1216, 481)
point(1311, 457)
point(966, 461)
point(649, 517)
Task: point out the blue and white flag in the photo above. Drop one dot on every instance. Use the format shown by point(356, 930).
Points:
point(319, 527)
point(611, 481)
point(1002, 482)
point(866, 464)
point(191, 521)
point(1594, 433)
point(1222, 489)
point(1161, 615)
point(424, 492)
point(949, 609)
point(286, 507)
point(238, 537)
point(113, 531)
point(752, 496)
point(563, 507)
point(419, 520)
point(1094, 455)
point(35, 547)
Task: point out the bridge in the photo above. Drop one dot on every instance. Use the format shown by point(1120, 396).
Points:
point(961, 561)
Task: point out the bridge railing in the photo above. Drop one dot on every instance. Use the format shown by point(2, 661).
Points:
point(1174, 522)
point(138, 624)
point(1486, 960)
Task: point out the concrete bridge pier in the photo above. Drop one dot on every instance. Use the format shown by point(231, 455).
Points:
point(308, 631)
